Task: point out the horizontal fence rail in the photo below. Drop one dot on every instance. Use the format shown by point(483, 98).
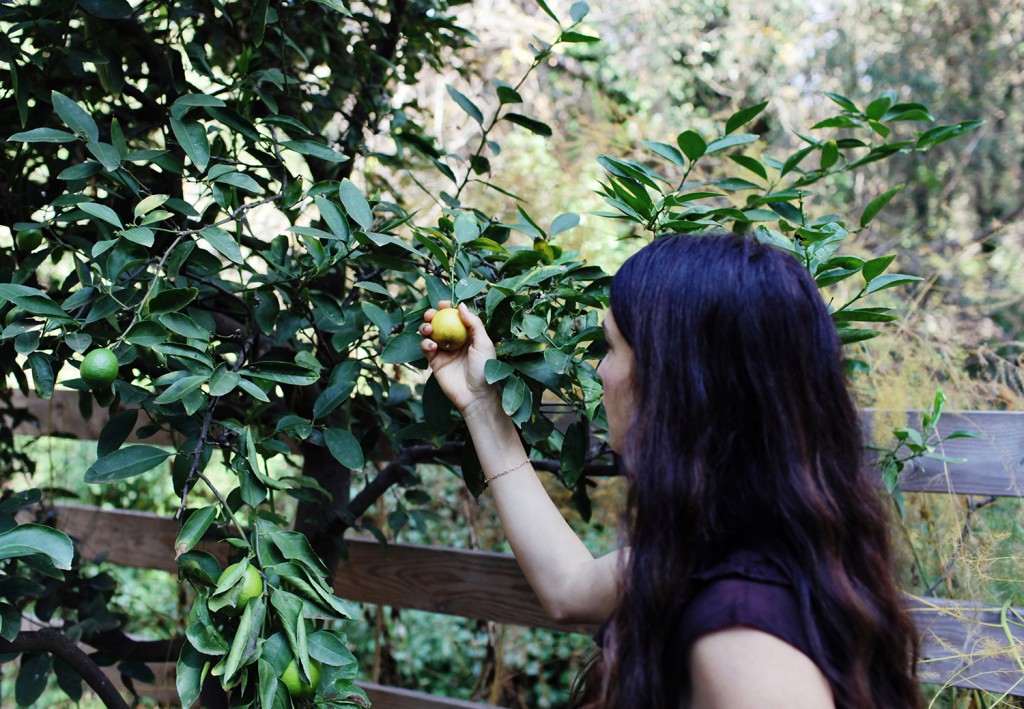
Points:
point(963, 644)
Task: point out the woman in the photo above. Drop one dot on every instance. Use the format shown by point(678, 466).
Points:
point(758, 571)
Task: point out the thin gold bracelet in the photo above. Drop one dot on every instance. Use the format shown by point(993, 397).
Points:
point(488, 481)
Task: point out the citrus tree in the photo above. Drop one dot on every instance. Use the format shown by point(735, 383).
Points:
point(201, 248)
point(210, 238)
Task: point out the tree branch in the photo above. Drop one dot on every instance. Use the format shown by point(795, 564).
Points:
point(57, 644)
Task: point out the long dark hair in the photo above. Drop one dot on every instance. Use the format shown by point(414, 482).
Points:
point(745, 435)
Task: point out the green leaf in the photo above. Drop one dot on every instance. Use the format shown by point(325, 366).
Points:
point(829, 154)
point(495, 370)
point(189, 674)
point(195, 527)
point(751, 164)
point(465, 104)
point(184, 325)
point(107, 9)
point(239, 180)
point(877, 108)
point(101, 211)
point(507, 95)
point(258, 20)
point(119, 427)
point(547, 10)
point(314, 149)
point(877, 204)
point(181, 388)
point(335, 220)
point(32, 300)
point(331, 650)
point(75, 117)
point(467, 228)
point(43, 135)
point(282, 373)
point(68, 680)
point(513, 394)
point(402, 348)
point(875, 267)
point(42, 374)
point(146, 333)
point(730, 141)
point(345, 448)
point(571, 37)
point(32, 677)
point(578, 11)
point(125, 463)
point(574, 452)
point(150, 203)
point(692, 145)
point(29, 539)
point(849, 336)
point(172, 300)
point(379, 317)
point(564, 222)
point(669, 152)
point(890, 280)
point(355, 204)
point(530, 124)
point(224, 243)
point(743, 117)
point(107, 155)
point(864, 315)
point(143, 236)
point(842, 101)
point(193, 140)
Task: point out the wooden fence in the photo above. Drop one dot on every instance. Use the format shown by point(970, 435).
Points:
point(963, 643)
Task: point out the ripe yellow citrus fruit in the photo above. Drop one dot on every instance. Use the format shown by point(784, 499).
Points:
point(250, 586)
point(448, 331)
point(99, 368)
point(293, 680)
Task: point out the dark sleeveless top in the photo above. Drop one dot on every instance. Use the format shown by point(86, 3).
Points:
point(750, 589)
point(746, 589)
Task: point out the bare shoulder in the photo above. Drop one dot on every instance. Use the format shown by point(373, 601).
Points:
point(743, 667)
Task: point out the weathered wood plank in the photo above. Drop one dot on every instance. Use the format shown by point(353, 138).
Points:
point(967, 644)
point(963, 643)
point(393, 698)
point(59, 416)
point(472, 584)
point(994, 462)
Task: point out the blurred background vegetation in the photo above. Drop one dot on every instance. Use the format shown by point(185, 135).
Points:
point(662, 64)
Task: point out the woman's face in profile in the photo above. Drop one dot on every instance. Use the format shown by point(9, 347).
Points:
point(616, 374)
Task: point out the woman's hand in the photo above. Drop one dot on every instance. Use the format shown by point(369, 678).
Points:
point(461, 372)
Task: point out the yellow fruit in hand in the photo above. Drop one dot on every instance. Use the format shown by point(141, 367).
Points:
point(99, 368)
point(448, 331)
point(293, 680)
point(250, 586)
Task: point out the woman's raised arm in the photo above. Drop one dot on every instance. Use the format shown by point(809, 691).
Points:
point(571, 584)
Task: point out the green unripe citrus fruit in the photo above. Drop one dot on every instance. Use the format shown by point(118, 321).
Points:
point(447, 329)
point(99, 368)
point(29, 240)
point(248, 588)
point(293, 680)
point(15, 313)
